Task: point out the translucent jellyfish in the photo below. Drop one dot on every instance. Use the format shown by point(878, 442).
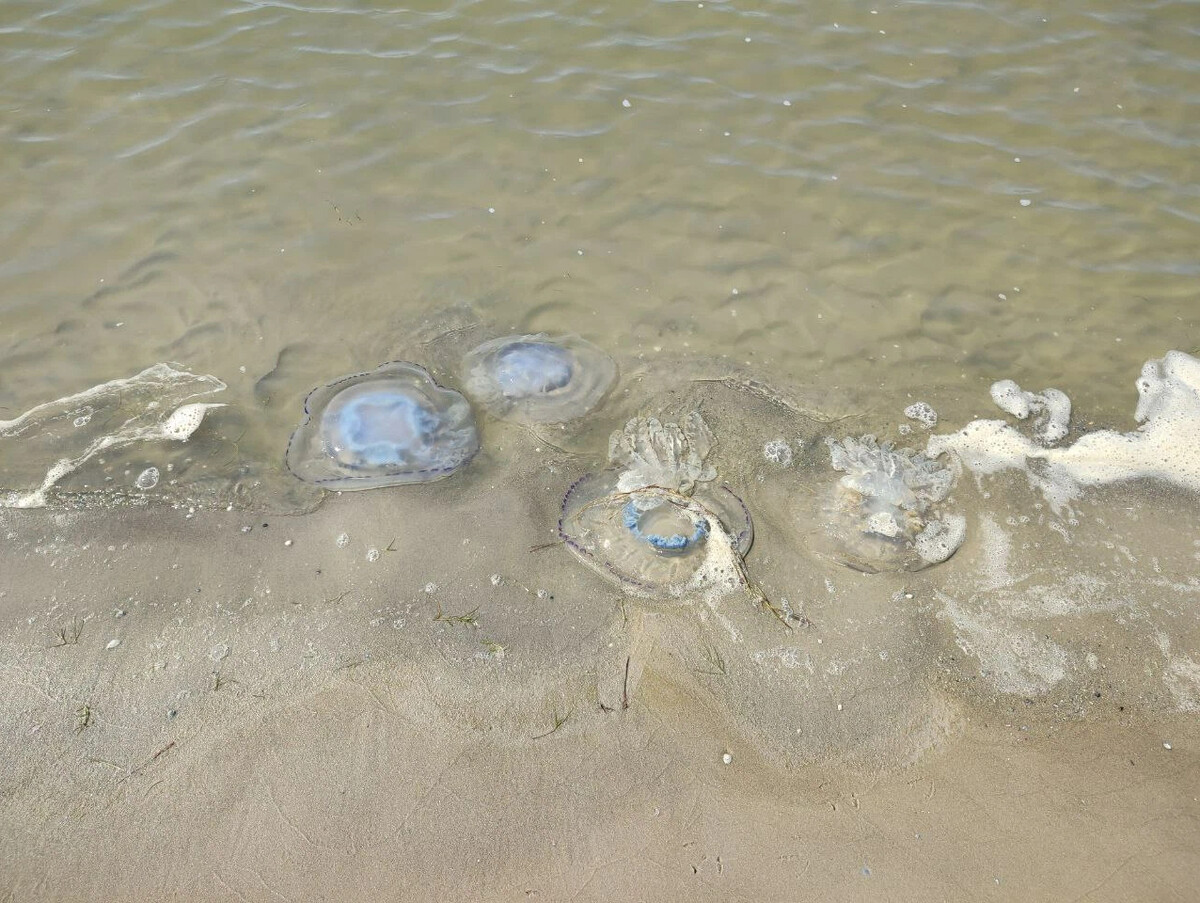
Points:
point(654, 522)
point(666, 455)
point(883, 510)
point(388, 426)
point(538, 378)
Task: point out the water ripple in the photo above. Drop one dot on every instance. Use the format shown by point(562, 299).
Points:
point(680, 148)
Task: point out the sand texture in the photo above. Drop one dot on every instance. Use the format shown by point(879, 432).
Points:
point(419, 694)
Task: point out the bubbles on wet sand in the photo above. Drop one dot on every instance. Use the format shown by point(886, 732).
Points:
point(147, 479)
point(1051, 409)
point(1163, 447)
point(923, 413)
point(58, 438)
point(777, 451)
point(389, 426)
point(538, 378)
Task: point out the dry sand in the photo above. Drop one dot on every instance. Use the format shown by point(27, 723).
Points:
point(212, 704)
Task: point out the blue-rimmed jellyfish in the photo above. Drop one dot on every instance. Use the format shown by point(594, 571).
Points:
point(538, 378)
point(657, 522)
point(652, 541)
point(388, 426)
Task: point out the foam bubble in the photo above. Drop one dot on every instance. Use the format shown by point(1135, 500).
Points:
point(777, 451)
point(1010, 399)
point(923, 413)
point(1054, 420)
point(147, 479)
point(1165, 447)
point(185, 420)
point(1052, 409)
point(941, 538)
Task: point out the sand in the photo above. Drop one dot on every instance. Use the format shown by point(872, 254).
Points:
point(215, 704)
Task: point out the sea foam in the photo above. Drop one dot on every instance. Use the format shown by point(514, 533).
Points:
point(1166, 446)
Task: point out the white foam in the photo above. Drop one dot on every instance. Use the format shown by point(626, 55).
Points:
point(1165, 447)
point(941, 538)
point(1054, 421)
point(1052, 407)
point(1010, 398)
point(777, 451)
point(1014, 659)
point(147, 479)
point(184, 421)
point(923, 413)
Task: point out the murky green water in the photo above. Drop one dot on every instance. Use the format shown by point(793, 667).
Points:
point(909, 195)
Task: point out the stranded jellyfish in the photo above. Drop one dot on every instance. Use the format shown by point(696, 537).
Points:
point(883, 510)
point(388, 426)
point(654, 522)
point(538, 378)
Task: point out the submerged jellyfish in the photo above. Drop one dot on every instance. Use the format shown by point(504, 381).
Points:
point(883, 510)
point(538, 378)
point(388, 426)
point(651, 522)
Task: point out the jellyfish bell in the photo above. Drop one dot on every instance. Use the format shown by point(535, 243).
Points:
point(882, 514)
point(385, 427)
point(526, 369)
point(538, 378)
point(653, 541)
point(656, 521)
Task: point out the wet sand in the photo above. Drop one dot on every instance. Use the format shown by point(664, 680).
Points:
point(464, 718)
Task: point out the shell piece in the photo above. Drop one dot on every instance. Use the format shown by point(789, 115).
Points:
point(652, 541)
point(882, 513)
point(385, 427)
point(538, 378)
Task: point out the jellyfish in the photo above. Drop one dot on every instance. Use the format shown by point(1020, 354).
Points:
point(538, 378)
point(654, 522)
point(883, 510)
point(388, 426)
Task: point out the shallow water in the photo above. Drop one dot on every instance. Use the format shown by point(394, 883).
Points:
point(831, 192)
point(797, 219)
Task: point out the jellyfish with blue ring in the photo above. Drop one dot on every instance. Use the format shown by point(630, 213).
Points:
point(650, 521)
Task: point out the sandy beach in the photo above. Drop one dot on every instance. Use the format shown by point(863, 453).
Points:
point(373, 701)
